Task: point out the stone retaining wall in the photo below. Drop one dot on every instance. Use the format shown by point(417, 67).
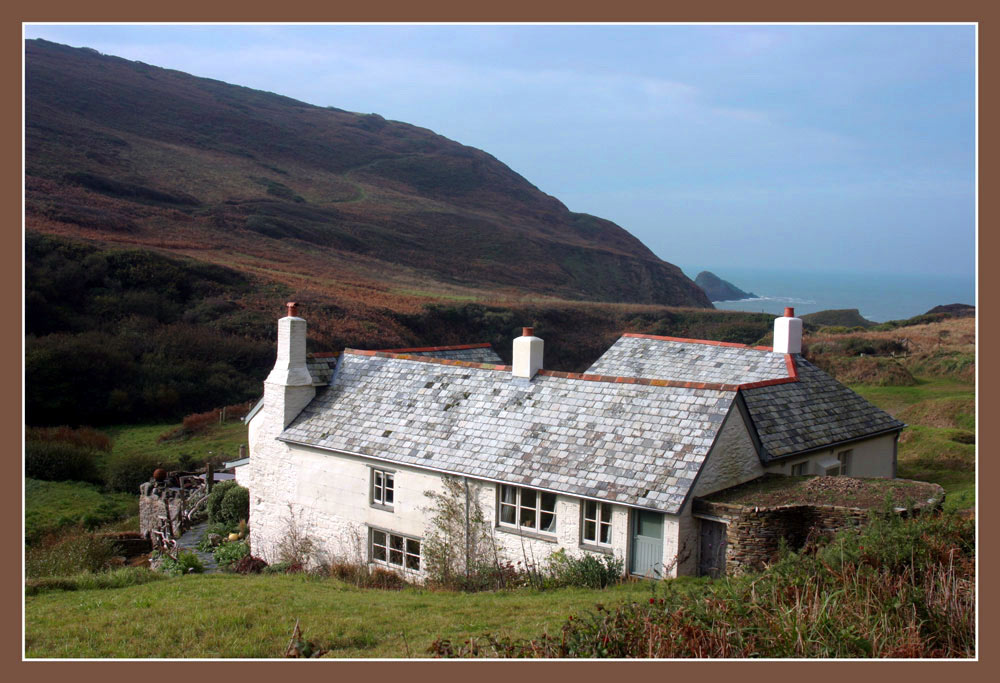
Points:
point(753, 533)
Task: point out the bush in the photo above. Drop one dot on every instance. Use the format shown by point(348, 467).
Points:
point(235, 505)
point(128, 472)
point(363, 576)
point(227, 553)
point(186, 563)
point(83, 437)
point(60, 461)
point(70, 555)
point(249, 564)
point(213, 505)
point(587, 571)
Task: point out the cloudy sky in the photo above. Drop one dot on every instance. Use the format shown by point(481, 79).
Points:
point(825, 148)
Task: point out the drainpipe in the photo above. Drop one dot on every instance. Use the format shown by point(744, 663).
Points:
point(468, 552)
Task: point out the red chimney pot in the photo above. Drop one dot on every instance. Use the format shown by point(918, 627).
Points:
point(293, 309)
point(789, 312)
point(527, 331)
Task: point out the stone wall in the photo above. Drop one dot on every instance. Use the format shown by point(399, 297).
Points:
point(753, 534)
point(154, 499)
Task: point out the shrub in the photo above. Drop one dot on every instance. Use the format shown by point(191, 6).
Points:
point(83, 437)
point(227, 553)
point(457, 547)
point(128, 472)
point(235, 506)
point(69, 555)
point(60, 461)
point(214, 502)
point(363, 576)
point(587, 571)
point(185, 563)
point(249, 564)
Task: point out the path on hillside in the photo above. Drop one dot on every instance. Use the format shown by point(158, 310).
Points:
point(189, 541)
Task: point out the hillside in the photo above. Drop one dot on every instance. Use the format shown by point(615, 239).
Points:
point(320, 199)
point(844, 317)
point(717, 289)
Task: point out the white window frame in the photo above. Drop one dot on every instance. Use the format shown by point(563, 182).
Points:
point(390, 550)
point(603, 514)
point(524, 513)
point(845, 457)
point(381, 481)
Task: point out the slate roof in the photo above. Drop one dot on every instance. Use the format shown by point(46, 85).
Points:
point(634, 443)
point(690, 360)
point(321, 366)
point(812, 413)
point(789, 416)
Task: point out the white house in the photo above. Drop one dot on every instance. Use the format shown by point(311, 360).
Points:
point(343, 448)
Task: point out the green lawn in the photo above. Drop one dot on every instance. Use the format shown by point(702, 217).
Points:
point(939, 443)
point(220, 439)
point(226, 615)
point(51, 505)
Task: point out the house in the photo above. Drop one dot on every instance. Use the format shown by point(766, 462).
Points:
point(342, 448)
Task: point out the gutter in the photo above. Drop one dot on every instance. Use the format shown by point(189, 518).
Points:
point(834, 444)
point(478, 477)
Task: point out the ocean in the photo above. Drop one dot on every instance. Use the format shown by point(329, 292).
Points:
point(879, 297)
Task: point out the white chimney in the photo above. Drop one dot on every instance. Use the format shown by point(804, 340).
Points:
point(289, 387)
point(528, 350)
point(788, 333)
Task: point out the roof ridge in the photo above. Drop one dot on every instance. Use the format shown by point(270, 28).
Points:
point(611, 379)
point(456, 347)
point(686, 340)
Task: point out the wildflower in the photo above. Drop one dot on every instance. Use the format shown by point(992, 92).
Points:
point(652, 601)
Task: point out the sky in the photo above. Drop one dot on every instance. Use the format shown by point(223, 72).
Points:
point(826, 148)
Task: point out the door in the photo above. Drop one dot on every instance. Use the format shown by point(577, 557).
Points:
point(647, 544)
point(712, 558)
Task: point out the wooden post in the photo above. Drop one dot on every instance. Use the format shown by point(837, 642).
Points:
point(209, 475)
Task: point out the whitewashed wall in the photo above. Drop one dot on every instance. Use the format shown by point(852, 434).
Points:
point(870, 458)
point(732, 460)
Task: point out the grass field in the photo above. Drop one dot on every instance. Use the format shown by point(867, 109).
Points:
point(224, 615)
point(53, 505)
point(219, 440)
point(939, 443)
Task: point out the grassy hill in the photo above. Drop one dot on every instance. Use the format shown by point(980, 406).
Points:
point(318, 198)
point(846, 317)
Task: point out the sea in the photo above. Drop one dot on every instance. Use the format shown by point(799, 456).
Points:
point(878, 297)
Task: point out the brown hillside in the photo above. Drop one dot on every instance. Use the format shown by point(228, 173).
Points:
point(322, 199)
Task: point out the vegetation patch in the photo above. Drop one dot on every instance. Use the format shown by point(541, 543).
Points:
point(773, 490)
point(896, 589)
point(51, 506)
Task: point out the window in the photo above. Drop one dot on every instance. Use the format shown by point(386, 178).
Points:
point(845, 462)
point(395, 550)
point(383, 488)
point(527, 509)
point(596, 523)
point(800, 469)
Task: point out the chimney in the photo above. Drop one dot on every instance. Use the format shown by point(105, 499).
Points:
point(528, 350)
point(289, 387)
point(788, 333)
